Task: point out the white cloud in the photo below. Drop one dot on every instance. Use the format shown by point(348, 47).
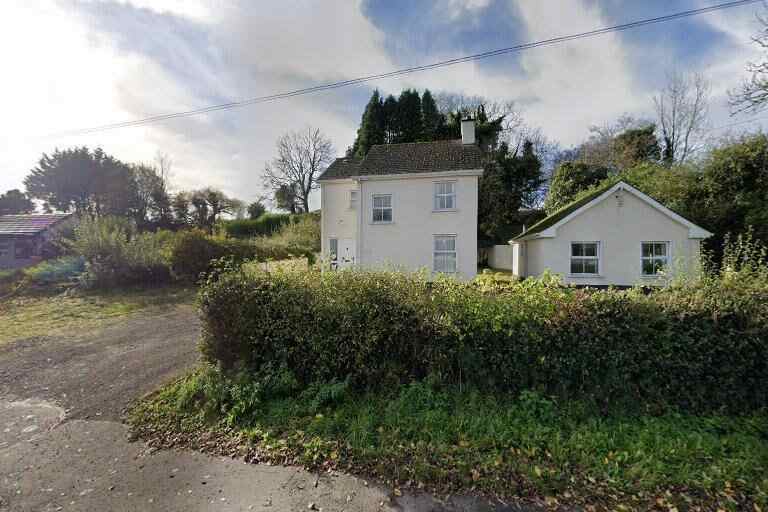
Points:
point(460, 8)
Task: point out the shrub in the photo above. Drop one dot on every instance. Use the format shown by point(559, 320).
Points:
point(267, 224)
point(115, 253)
point(193, 253)
point(695, 347)
point(56, 271)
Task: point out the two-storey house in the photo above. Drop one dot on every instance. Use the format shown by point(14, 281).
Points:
point(405, 206)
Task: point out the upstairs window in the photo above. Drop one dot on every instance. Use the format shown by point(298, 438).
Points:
point(353, 199)
point(5, 249)
point(382, 208)
point(654, 257)
point(444, 254)
point(445, 195)
point(585, 258)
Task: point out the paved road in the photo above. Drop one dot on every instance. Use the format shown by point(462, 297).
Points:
point(62, 446)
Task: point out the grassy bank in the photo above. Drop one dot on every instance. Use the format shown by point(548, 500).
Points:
point(448, 440)
point(24, 316)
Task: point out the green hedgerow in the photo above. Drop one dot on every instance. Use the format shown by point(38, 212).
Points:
point(701, 346)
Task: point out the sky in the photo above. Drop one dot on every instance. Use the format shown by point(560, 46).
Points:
point(74, 64)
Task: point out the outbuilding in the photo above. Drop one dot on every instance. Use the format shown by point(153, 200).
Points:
point(615, 236)
point(24, 239)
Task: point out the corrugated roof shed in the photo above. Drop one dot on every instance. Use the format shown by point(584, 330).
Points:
point(28, 224)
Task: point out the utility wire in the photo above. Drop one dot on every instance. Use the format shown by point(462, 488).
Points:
point(737, 123)
point(414, 69)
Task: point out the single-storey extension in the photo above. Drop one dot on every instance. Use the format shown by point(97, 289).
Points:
point(615, 236)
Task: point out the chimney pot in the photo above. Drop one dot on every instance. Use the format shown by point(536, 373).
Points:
point(468, 131)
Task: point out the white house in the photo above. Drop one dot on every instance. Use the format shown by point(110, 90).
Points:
point(615, 236)
point(408, 206)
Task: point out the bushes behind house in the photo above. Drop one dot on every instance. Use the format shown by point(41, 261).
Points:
point(193, 253)
point(266, 225)
point(694, 347)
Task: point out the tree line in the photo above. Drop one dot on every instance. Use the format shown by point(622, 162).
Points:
point(91, 182)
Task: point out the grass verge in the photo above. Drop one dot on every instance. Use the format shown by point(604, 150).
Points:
point(25, 316)
point(457, 441)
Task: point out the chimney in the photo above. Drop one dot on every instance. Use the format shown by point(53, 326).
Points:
point(468, 131)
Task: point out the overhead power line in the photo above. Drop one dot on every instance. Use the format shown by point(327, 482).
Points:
point(737, 123)
point(414, 69)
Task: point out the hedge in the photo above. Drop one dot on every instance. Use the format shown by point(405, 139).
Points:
point(266, 225)
point(194, 252)
point(693, 348)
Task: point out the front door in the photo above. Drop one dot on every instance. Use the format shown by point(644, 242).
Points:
point(346, 253)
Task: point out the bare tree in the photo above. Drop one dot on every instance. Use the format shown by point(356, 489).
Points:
point(599, 150)
point(752, 95)
point(682, 108)
point(302, 157)
point(449, 103)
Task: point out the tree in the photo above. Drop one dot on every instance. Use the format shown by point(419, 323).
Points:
point(285, 199)
point(600, 150)
point(431, 118)
point(682, 108)
point(209, 204)
point(568, 180)
point(256, 209)
point(510, 182)
point(391, 124)
point(734, 185)
point(152, 205)
point(83, 181)
point(302, 157)
point(14, 202)
point(372, 125)
point(635, 146)
point(180, 206)
point(752, 95)
point(409, 122)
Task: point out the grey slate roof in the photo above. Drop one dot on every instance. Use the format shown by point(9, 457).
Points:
point(411, 157)
point(28, 224)
point(341, 168)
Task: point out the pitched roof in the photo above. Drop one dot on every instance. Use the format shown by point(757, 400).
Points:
point(574, 208)
point(551, 220)
point(341, 168)
point(28, 224)
point(410, 157)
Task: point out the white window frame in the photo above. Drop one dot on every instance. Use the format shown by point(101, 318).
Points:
point(455, 252)
point(354, 196)
point(667, 257)
point(597, 258)
point(374, 208)
point(438, 195)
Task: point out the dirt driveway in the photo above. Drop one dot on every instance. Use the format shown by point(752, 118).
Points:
point(96, 374)
point(62, 446)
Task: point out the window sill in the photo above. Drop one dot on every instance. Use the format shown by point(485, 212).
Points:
point(447, 210)
point(379, 223)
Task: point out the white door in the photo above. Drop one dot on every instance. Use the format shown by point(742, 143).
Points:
point(346, 253)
